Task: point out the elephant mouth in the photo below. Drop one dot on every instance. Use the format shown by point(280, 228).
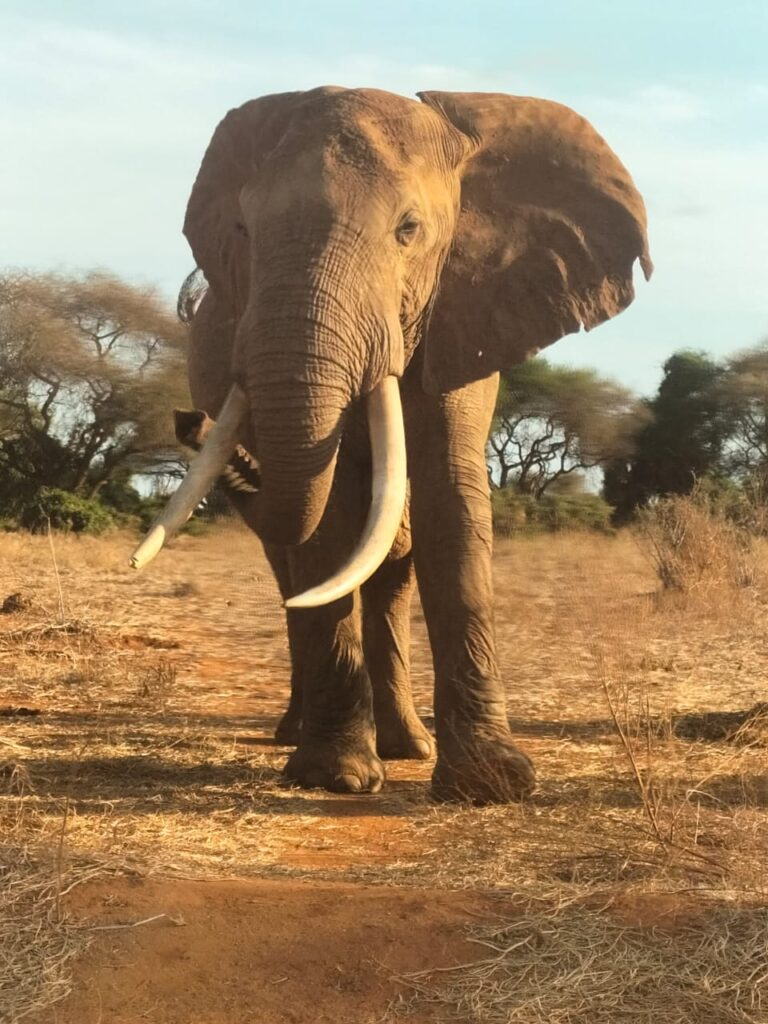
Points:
point(221, 457)
point(240, 474)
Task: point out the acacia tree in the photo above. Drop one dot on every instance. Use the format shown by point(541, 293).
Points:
point(743, 397)
point(683, 440)
point(551, 421)
point(90, 368)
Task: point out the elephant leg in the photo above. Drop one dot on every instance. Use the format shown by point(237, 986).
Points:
point(289, 726)
point(337, 743)
point(386, 634)
point(452, 544)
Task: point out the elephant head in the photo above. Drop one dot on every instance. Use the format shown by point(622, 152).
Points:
point(342, 229)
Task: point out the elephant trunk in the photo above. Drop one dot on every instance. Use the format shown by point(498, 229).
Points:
point(316, 338)
point(297, 423)
point(309, 345)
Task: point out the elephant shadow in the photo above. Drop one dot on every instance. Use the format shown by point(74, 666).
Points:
point(165, 765)
point(708, 726)
point(172, 769)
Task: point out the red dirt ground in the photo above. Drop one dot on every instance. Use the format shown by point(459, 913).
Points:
point(267, 952)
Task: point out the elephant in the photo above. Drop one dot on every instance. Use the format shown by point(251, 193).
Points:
point(373, 262)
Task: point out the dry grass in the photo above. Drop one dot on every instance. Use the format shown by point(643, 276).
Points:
point(560, 960)
point(37, 943)
point(142, 704)
point(692, 545)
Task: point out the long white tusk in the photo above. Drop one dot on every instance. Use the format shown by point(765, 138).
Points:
point(385, 425)
point(205, 469)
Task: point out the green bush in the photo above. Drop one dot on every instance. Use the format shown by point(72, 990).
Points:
point(121, 496)
point(197, 526)
point(64, 511)
point(575, 512)
point(515, 513)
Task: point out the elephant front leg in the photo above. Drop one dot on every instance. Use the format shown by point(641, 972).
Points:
point(288, 728)
point(386, 630)
point(337, 743)
point(452, 542)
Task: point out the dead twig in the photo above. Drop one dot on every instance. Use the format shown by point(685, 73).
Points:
point(176, 919)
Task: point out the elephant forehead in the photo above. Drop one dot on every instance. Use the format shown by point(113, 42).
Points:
point(365, 129)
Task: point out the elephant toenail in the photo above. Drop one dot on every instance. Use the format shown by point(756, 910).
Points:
point(350, 784)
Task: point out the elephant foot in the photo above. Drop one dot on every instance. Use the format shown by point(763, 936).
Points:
point(288, 729)
point(482, 771)
point(404, 740)
point(338, 767)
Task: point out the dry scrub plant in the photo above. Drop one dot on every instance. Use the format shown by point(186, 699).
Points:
point(37, 943)
point(693, 542)
point(697, 774)
point(664, 917)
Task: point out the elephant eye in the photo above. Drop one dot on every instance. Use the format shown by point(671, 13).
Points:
point(241, 229)
point(407, 229)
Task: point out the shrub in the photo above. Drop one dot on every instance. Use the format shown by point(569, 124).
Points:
point(150, 508)
point(64, 511)
point(575, 512)
point(697, 541)
point(512, 512)
point(515, 513)
point(121, 496)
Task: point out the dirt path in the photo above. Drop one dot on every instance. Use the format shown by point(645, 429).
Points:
point(268, 952)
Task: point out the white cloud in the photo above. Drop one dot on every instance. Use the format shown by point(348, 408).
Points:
point(656, 104)
point(68, 56)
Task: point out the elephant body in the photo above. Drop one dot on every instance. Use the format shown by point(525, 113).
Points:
point(348, 236)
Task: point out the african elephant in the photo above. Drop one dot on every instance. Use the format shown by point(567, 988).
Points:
point(374, 260)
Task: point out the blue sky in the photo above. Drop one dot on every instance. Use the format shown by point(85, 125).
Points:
point(107, 110)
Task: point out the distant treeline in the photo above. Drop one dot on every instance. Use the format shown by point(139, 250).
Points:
point(91, 367)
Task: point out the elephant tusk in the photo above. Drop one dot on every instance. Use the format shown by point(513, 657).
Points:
point(202, 474)
point(388, 489)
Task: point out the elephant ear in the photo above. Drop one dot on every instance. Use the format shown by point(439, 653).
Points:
point(242, 140)
point(550, 227)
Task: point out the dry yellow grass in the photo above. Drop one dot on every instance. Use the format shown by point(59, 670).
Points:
point(138, 711)
point(564, 961)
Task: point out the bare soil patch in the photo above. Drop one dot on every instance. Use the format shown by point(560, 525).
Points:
point(258, 950)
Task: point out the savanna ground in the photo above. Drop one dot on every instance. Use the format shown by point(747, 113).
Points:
point(154, 867)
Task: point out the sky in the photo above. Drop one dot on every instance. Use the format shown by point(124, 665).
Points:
point(106, 110)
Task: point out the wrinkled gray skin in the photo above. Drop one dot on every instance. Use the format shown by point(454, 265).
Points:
point(351, 234)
